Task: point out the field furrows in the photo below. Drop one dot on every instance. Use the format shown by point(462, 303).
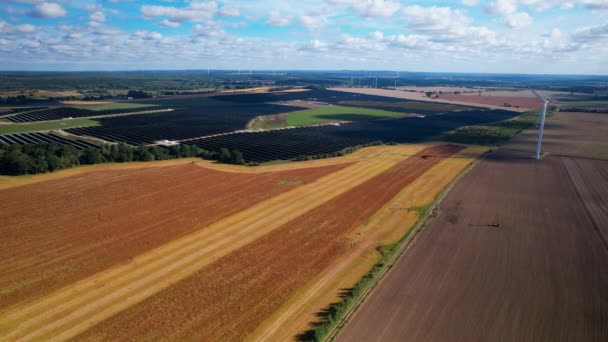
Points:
point(114, 217)
point(230, 298)
point(386, 226)
point(75, 308)
point(501, 263)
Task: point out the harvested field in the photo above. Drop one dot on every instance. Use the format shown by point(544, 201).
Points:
point(389, 224)
point(498, 101)
point(77, 307)
point(407, 95)
point(113, 216)
point(572, 134)
point(517, 253)
point(230, 298)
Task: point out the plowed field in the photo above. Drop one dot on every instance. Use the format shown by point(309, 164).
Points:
point(499, 101)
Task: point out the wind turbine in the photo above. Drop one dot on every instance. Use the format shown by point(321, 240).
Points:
point(543, 112)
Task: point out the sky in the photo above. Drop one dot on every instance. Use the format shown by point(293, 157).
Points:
point(502, 36)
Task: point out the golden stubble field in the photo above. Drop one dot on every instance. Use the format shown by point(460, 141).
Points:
point(209, 276)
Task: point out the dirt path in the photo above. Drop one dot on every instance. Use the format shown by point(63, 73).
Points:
point(77, 307)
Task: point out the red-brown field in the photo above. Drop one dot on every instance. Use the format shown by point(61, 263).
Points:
point(500, 101)
point(518, 253)
point(57, 232)
point(228, 299)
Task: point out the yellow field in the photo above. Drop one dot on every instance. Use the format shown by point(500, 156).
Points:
point(387, 226)
point(72, 310)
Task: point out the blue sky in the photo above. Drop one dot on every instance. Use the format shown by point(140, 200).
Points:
point(502, 36)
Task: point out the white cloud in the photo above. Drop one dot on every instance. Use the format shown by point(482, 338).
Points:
point(48, 10)
point(26, 28)
point(591, 34)
point(470, 2)
point(168, 23)
point(315, 45)
point(194, 12)
point(275, 18)
point(230, 11)
point(312, 22)
point(503, 7)
point(370, 8)
point(98, 17)
point(518, 20)
point(435, 19)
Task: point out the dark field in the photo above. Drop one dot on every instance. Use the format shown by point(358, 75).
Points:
point(518, 253)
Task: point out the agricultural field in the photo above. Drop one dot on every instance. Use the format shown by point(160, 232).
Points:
point(333, 113)
point(201, 233)
point(466, 100)
point(496, 101)
point(571, 134)
point(517, 252)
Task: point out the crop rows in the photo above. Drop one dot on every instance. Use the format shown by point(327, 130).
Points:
point(70, 112)
point(36, 138)
point(177, 125)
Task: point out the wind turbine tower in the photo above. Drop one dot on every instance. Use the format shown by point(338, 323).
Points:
point(541, 130)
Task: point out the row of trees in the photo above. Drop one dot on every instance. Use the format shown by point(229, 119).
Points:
point(48, 157)
point(342, 152)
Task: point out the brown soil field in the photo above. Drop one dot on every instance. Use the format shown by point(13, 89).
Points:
point(228, 299)
point(58, 232)
point(498, 101)
point(571, 134)
point(73, 309)
point(422, 97)
point(518, 253)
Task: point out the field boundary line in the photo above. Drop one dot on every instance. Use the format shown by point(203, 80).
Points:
point(399, 251)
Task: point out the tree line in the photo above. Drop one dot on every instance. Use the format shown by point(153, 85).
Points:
point(25, 159)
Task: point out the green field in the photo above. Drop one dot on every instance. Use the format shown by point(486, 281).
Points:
point(109, 106)
point(337, 113)
point(45, 126)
